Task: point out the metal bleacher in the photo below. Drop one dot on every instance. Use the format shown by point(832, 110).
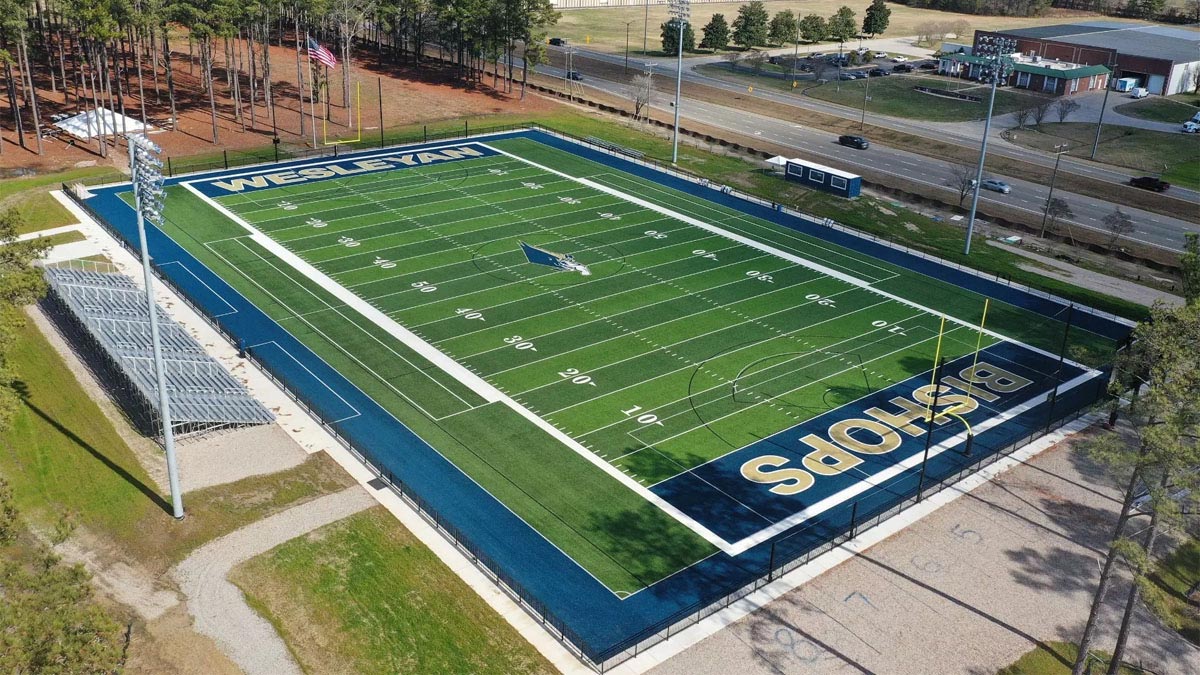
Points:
point(613, 147)
point(108, 313)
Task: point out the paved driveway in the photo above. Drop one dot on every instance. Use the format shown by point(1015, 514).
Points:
point(966, 590)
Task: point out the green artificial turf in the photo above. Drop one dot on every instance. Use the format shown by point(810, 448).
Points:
point(681, 345)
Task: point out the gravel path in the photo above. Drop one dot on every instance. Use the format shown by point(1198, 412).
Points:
point(219, 608)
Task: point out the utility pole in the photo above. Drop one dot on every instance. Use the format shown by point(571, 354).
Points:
point(1058, 153)
point(866, 97)
point(996, 50)
point(646, 31)
point(627, 25)
point(1103, 106)
point(681, 11)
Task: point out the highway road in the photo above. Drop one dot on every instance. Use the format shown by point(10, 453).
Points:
point(1152, 229)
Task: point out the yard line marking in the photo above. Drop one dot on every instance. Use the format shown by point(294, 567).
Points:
point(783, 254)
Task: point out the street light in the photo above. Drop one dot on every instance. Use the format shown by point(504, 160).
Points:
point(995, 51)
point(866, 97)
point(1103, 106)
point(646, 31)
point(1058, 153)
point(146, 169)
point(681, 11)
point(627, 25)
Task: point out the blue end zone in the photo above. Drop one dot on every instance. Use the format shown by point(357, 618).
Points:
point(770, 482)
point(552, 584)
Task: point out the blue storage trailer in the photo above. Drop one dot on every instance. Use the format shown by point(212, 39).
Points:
point(821, 177)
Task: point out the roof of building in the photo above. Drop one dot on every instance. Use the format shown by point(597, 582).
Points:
point(1161, 42)
point(1067, 71)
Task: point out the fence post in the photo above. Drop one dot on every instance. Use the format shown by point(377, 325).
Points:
point(771, 564)
point(225, 157)
point(170, 171)
point(425, 129)
point(853, 518)
point(466, 129)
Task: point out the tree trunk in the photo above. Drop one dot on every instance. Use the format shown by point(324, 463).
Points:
point(252, 74)
point(1135, 587)
point(137, 59)
point(299, 75)
point(1106, 573)
point(169, 71)
point(206, 65)
point(31, 98)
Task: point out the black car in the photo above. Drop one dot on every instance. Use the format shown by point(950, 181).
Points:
point(928, 65)
point(575, 75)
point(854, 142)
point(902, 68)
point(879, 72)
point(558, 42)
point(1149, 183)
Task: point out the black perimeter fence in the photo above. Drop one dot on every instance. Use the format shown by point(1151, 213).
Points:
point(788, 552)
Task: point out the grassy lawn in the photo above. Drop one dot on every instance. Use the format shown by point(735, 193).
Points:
point(1159, 109)
point(62, 456)
point(606, 26)
point(31, 196)
point(1055, 658)
point(1175, 156)
point(364, 595)
point(1175, 576)
point(64, 238)
point(894, 95)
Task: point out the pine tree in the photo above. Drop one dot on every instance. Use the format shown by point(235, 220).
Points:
point(750, 26)
point(716, 33)
point(670, 37)
point(876, 18)
point(782, 28)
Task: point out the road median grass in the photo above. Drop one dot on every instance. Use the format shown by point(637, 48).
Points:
point(364, 595)
point(66, 462)
point(1159, 109)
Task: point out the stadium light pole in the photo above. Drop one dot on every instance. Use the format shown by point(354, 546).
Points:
point(995, 51)
point(146, 170)
point(627, 25)
point(681, 11)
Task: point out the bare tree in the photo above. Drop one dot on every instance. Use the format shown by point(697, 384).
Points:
point(733, 58)
point(962, 179)
point(1040, 110)
point(961, 28)
point(1119, 224)
point(1065, 107)
point(1055, 209)
point(1023, 115)
point(641, 88)
point(756, 59)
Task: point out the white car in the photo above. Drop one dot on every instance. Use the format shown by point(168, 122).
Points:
point(880, 55)
point(899, 59)
point(1191, 128)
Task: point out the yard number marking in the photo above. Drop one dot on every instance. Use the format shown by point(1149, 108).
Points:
point(498, 172)
point(575, 377)
point(609, 216)
point(824, 302)
point(569, 200)
point(760, 276)
point(468, 313)
point(520, 343)
point(533, 186)
point(895, 330)
point(704, 254)
point(383, 264)
point(645, 418)
point(348, 242)
point(655, 234)
point(287, 206)
point(423, 286)
point(316, 223)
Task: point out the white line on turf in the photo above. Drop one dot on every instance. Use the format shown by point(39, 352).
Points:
point(451, 367)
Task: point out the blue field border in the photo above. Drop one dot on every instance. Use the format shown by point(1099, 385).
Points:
point(570, 600)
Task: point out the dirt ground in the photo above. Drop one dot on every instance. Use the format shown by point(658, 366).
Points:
point(411, 95)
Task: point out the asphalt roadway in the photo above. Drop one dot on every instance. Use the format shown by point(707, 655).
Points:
point(1152, 229)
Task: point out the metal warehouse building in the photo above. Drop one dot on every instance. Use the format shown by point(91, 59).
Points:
point(1164, 59)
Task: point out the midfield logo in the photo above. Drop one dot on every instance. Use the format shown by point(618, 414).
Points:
point(559, 261)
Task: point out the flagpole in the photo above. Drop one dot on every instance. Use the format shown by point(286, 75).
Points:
point(312, 101)
point(300, 83)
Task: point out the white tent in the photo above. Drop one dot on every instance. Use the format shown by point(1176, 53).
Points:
point(778, 160)
point(92, 123)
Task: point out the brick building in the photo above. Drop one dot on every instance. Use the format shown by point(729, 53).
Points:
point(1164, 59)
point(1054, 78)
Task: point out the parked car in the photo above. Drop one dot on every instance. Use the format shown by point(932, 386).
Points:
point(880, 55)
point(879, 72)
point(1191, 127)
point(848, 76)
point(1140, 92)
point(1150, 183)
point(575, 75)
point(996, 186)
point(558, 42)
point(899, 59)
point(928, 65)
point(902, 68)
point(773, 60)
point(815, 55)
point(854, 142)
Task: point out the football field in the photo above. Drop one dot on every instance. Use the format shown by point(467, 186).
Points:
point(647, 375)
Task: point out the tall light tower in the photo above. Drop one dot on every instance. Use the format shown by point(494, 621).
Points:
point(997, 54)
point(146, 168)
point(681, 11)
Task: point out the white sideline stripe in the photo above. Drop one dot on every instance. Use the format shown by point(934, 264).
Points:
point(185, 268)
point(454, 369)
point(842, 276)
point(875, 479)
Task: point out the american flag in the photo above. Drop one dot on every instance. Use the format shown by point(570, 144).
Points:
point(321, 54)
